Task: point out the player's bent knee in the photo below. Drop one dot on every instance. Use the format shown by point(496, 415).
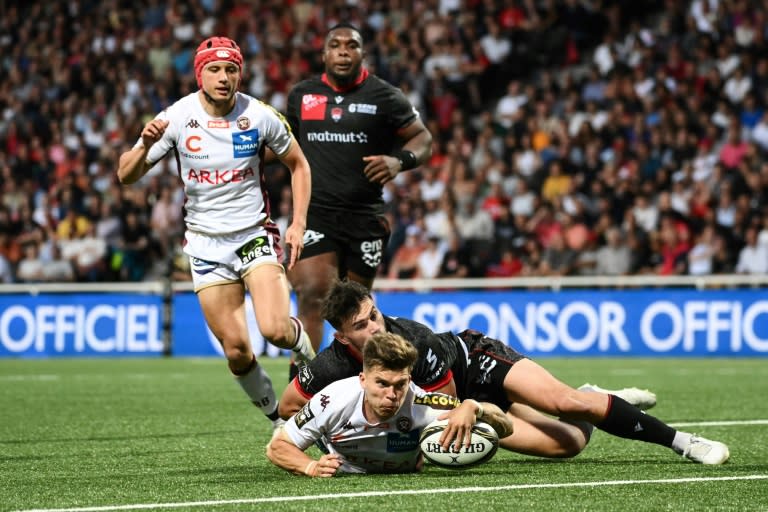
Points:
point(281, 334)
point(238, 356)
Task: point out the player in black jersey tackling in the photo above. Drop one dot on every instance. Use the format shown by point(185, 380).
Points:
point(357, 132)
point(471, 365)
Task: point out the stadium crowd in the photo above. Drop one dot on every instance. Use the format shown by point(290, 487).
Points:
point(571, 137)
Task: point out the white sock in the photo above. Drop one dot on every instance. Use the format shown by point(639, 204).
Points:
point(680, 442)
point(258, 386)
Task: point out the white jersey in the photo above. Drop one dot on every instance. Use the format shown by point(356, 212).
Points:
point(335, 415)
point(220, 160)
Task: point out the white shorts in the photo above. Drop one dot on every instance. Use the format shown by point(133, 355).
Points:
point(220, 259)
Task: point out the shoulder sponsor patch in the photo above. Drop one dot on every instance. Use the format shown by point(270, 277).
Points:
point(313, 107)
point(304, 415)
point(437, 401)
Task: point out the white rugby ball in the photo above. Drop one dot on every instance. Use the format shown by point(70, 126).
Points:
point(483, 446)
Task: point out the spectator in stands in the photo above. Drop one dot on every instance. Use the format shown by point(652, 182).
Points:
point(30, 267)
point(59, 152)
point(558, 259)
point(405, 262)
point(701, 254)
point(753, 257)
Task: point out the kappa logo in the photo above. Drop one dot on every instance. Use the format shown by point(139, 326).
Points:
point(193, 124)
point(324, 401)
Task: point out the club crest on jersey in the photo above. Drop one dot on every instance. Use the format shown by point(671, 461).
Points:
point(313, 107)
point(246, 143)
point(243, 123)
point(336, 114)
point(404, 424)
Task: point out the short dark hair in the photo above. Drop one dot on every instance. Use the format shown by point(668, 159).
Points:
point(340, 25)
point(343, 301)
point(389, 351)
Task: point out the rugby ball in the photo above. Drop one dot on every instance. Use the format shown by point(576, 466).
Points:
point(483, 446)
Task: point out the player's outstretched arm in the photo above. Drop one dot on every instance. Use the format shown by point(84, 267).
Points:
point(462, 419)
point(284, 454)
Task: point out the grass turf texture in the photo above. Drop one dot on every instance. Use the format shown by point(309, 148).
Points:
point(102, 433)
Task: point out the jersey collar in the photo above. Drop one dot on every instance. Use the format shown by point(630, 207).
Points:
point(360, 79)
point(352, 351)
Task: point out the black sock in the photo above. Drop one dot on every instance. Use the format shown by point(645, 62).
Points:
point(274, 415)
point(627, 421)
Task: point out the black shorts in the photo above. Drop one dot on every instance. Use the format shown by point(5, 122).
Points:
point(358, 239)
point(489, 362)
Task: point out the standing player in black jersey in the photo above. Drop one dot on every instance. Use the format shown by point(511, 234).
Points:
point(357, 132)
point(471, 365)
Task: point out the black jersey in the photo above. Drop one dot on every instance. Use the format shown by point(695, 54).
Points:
point(433, 369)
point(337, 129)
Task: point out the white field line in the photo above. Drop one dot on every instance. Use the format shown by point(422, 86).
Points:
point(719, 423)
point(370, 494)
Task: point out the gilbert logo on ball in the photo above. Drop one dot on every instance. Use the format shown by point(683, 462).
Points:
point(483, 444)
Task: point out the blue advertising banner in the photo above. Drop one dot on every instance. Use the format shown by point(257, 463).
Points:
point(80, 324)
point(658, 322)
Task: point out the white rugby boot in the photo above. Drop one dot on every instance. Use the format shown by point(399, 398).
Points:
point(704, 451)
point(640, 398)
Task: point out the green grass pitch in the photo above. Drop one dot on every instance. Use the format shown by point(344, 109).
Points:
point(178, 434)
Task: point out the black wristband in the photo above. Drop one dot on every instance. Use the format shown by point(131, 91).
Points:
point(407, 159)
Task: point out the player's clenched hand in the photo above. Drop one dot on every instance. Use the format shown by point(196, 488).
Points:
point(381, 168)
point(459, 429)
point(327, 466)
point(153, 131)
point(294, 240)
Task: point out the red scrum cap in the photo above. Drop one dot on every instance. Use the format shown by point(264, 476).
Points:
point(216, 49)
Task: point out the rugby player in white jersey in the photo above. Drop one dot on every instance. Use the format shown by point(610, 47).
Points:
point(371, 423)
point(218, 136)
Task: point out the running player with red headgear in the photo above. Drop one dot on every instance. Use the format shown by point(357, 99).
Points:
point(219, 137)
